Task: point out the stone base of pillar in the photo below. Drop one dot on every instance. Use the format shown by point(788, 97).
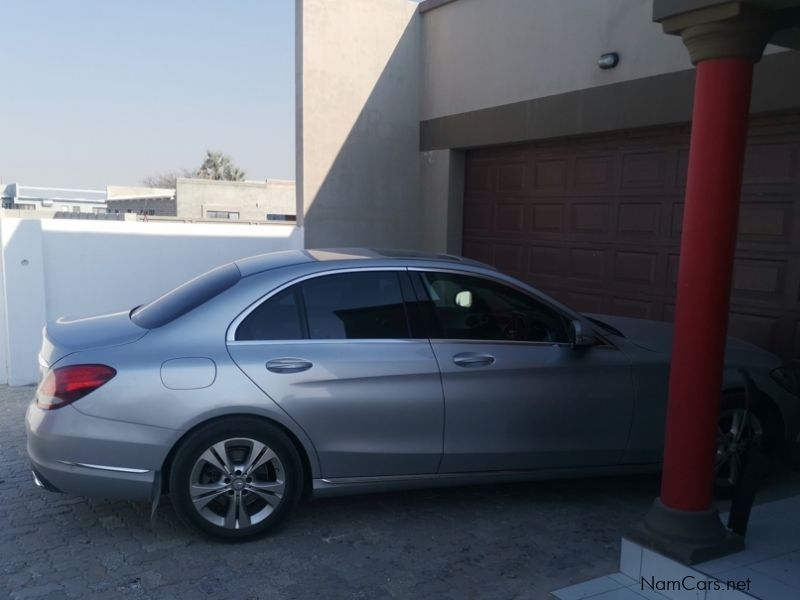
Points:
point(688, 537)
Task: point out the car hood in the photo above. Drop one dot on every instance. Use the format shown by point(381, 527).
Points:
point(66, 335)
point(656, 336)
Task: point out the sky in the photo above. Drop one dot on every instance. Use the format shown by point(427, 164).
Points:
point(107, 92)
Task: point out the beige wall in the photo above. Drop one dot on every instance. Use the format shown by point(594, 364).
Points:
point(136, 198)
point(368, 71)
point(130, 192)
point(251, 199)
point(480, 54)
point(158, 206)
point(483, 53)
point(442, 192)
point(358, 122)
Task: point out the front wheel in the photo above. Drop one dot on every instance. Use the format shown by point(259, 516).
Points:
point(235, 479)
point(740, 429)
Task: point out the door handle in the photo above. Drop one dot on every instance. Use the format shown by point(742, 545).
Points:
point(288, 365)
point(473, 359)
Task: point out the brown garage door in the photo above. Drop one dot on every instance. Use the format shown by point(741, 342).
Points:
point(595, 222)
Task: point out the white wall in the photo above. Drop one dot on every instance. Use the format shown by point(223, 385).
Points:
point(22, 301)
point(3, 332)
point(358, 122)
point(54, 268)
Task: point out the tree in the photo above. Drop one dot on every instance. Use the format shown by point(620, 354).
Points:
point(219, 166)
point(168, 179)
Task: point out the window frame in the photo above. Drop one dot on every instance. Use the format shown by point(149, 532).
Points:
point(230, 335)
point(217, 212)
point(280, 217)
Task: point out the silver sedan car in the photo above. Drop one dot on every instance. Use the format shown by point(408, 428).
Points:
point(326, 372)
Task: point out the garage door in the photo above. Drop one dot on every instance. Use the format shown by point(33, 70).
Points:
point(596, 222)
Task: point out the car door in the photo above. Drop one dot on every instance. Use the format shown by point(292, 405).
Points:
point(517, 394)
point(336, 352)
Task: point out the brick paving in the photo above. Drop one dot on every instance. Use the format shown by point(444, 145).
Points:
point(502, 541)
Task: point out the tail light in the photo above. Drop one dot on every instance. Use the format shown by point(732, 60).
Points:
point(65, 385)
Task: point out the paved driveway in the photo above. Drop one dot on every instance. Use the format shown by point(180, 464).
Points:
point(509, 541)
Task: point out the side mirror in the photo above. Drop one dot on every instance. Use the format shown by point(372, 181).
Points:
point(464, 299)
point(580, 336)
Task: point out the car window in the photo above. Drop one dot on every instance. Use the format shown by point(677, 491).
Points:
point(278, 318)
point(367, 305)
point(474, 308)
point(186, 297)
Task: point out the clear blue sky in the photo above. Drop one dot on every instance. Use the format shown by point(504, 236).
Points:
point(96, 92)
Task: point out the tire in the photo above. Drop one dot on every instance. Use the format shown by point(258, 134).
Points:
point(762, 429)
point(236, 479)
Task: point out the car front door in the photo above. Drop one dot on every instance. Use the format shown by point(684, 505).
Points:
point(337, 353)
point(518, 395)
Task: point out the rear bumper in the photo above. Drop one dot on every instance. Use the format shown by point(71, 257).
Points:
point(86, 481)
point(87, 456)
point(42, 482)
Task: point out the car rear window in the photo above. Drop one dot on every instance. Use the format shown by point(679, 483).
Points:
point(186, 297)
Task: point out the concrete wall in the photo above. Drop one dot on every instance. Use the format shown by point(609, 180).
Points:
point(141, 199)
point(368, 71)
point(253, 200)
point(126, 192)
point(479, 54)
point(54, 268)
point(158, 206)
point(358, 122)
point(442, 192)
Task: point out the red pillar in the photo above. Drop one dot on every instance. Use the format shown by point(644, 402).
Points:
point(716, 156)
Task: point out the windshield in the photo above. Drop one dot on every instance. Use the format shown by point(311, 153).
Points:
point(186, 297)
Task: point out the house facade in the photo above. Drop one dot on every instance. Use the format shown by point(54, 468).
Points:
point(270, 200)
point(205, 199)
point(47, 201)
point(141, 200)
point(547, 138)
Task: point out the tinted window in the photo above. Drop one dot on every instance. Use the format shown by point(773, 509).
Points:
point(473, 308)
point(184, 298)
point(365, 305)
point(278, 318)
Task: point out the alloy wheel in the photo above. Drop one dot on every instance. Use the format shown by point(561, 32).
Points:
point(738, 430)
point(237, 483)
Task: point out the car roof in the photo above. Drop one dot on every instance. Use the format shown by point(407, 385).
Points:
point(265, 262)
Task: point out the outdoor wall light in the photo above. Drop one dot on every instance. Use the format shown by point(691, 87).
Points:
point(608, 60)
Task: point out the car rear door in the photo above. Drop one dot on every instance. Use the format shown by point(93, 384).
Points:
point(517, 395)
point(336, 351)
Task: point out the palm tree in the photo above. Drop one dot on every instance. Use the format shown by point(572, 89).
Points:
point(219, 166)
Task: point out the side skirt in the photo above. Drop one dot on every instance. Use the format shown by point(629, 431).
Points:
point(345, 486)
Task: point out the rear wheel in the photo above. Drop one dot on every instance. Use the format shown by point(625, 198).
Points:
point(236, 479)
